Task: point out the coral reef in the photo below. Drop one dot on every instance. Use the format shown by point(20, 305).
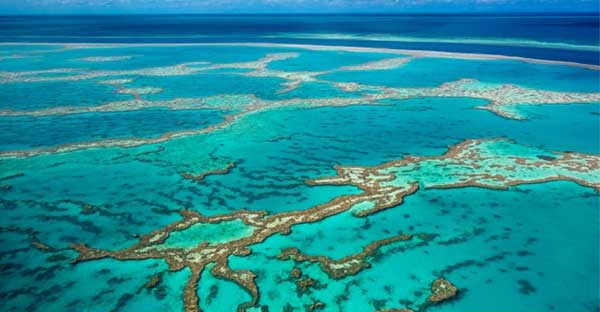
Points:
point(441, 289)
point(349, 265)
point(503, 100)
point(201, 176)
point(96, 59)
point(480, 163)
point(384, 64)
point(155, 280)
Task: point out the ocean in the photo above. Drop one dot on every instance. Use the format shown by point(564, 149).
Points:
point(572, 37)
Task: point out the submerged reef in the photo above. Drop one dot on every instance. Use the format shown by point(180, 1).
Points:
point(487, 163)
point(106, 58)
point(503, 99)
point(441, 291)
point(384, 64)
point(350, 265)
point(184, 225)
point(189, 68)
point(201, 176)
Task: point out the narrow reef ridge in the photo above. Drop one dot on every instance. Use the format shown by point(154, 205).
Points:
point(350, 265)
point(488, 163)
point(201, 176)
point(99, 59)
point(313, 47)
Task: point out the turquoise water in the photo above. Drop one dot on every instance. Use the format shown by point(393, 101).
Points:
point(527, 248)
point(29, 132)
point(23, 96)
point(429, 72)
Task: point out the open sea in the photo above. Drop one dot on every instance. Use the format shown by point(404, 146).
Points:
point(300, 163)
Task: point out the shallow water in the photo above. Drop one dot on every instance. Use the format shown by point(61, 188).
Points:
point(530, 247)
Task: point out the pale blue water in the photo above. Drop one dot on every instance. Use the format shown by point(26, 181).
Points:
point(528, 248)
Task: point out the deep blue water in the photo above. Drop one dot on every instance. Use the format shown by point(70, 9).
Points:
point(520, 35)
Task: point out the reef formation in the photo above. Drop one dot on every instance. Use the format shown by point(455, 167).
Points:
point(200, 243)
point(487, 163)
point(504, 100)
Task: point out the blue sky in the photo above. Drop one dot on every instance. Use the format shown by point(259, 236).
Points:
point(289, 6)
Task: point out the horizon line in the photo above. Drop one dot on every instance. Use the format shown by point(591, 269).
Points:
point(416, 13)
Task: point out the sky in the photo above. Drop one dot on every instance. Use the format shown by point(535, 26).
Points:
point(291, 6)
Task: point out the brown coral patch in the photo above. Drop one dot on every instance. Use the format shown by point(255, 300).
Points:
point(295, 273)
point(304, 284)
point(346, 266)
point(154, 281)
point(317, 305)
point(201, 176)
point(441, 290)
